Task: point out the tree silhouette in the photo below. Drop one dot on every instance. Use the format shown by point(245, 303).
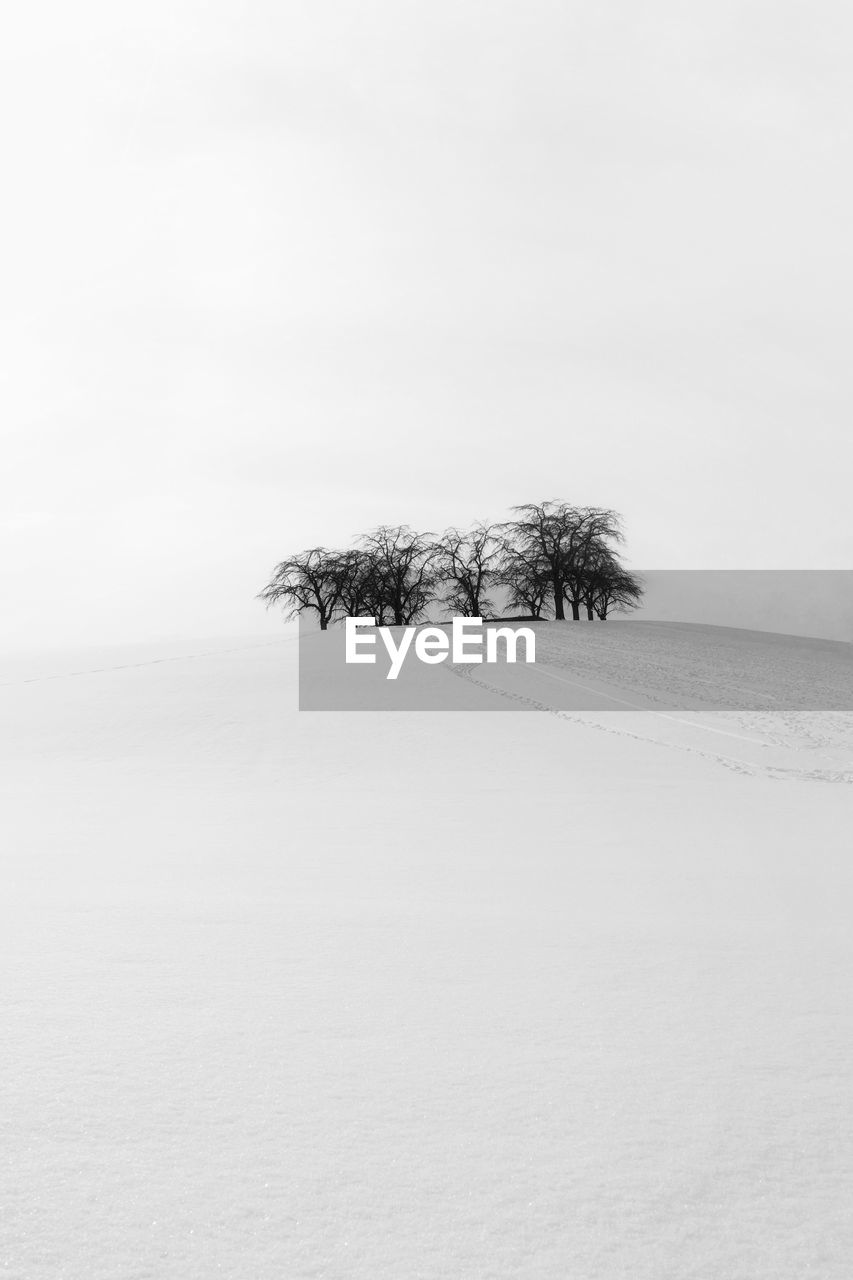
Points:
point(401, 572)
point(361, 587)
point(546, 532)
point(526, 578)
point(595, 530)
point(468, 560)
point(551, 550)
point(311, 580)
point(613, 587)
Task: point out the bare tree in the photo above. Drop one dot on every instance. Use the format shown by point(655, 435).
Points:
point(623, 591)
point(311, 580)
point(610, 585)
point(526, 578)
point(551, 550)
point(547, 532)
point(361, 586)
point(595, 530)
point(469, 561)
point(401, 572)
point(601, 569)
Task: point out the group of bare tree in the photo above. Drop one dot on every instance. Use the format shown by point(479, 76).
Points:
point(551, 554)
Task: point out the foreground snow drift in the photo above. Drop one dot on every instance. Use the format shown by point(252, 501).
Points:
point(364, 995)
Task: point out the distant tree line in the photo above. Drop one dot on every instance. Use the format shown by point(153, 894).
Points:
point(551, 557)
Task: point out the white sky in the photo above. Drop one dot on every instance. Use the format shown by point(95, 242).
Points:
point(276, 272)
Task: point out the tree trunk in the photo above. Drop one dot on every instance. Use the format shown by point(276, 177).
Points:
point(590, 616)
point(559, 611)
point(576, 610)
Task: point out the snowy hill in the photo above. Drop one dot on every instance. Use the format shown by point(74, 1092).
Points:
point(558, 993)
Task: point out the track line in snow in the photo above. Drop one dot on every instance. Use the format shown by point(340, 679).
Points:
point(664, 715)
point(735, 763)
point(150, 662)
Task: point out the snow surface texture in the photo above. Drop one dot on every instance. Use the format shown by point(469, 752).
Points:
point(617, 666)
point(364, 995)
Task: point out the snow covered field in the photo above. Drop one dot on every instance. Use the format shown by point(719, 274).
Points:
point(554, 994)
